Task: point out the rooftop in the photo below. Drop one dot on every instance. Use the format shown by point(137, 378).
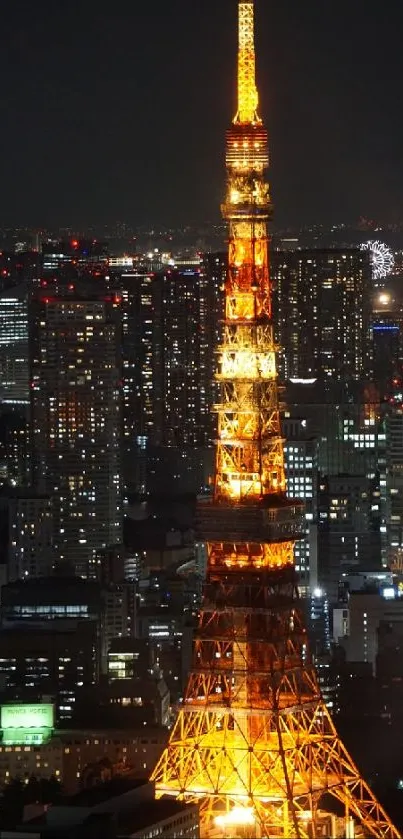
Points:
point(128, 823)
point(129, 645)
point(150, 812)
point(33, 583)
point(96, 795)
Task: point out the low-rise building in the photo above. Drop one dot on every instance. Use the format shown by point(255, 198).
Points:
point(77, 758)
point(120, 808)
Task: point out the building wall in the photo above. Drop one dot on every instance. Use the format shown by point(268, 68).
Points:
point(301, 468)
point(170, 330)
point(14, 444)
point(394, 457)
point(138, 376)
point(366, 611)
point(184, 825)
point(30, 529)
point(76, 415)
point(14, 371)
point(348, 528)
point(69, 754)
point(321, 311)
point(181, 411)
point(58, 660)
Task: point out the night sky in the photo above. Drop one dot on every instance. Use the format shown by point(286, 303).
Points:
point(116, 110)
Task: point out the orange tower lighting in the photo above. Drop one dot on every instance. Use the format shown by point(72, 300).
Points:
point(253, 742)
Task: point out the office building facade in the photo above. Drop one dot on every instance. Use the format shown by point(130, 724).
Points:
point(349, 523)
point(75, 340)
point(321, 306)
point(27, 518)
point(14, 372)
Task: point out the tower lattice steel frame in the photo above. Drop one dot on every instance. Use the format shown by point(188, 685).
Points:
point(254, 742)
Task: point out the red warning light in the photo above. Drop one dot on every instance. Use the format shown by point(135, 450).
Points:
point(74, 243)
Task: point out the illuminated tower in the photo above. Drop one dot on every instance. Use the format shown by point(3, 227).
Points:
point(253, 741)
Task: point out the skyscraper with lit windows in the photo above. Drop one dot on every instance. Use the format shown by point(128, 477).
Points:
point(75, 340)
point(322, 305)
point(212, 309)
point(301, 470)
point(170, 324)
point(14, 387)
point(349, 521)
point(178, 405)
point(183, 363)
point(137, 374)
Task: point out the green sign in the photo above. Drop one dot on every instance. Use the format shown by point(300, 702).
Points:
point(26, 736)
point(26, 716)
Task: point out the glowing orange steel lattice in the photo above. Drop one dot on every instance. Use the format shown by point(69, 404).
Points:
point(253, 742)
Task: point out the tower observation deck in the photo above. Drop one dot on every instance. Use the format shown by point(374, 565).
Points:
point(253, 742)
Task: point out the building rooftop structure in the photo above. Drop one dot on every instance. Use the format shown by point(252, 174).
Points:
point(99, 794)
point(157, 811)
point(121, 807)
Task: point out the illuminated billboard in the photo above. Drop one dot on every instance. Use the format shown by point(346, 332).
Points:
point(27, 716)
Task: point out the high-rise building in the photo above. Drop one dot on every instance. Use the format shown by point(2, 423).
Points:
point(51, 638)
point(183, 362)
point(182, 412)
point(28, 520)
point(319, 622)
point(386, 332)
point(14, 373)
point(348, 425)
point(14, 444)
point(351, 445)
point(366, 611)
point(386, 353)
point(75, 357)
point(137, 374)
point(168, 374)
point(301, 470)
point(253, 741)
point(321, 308)
point(212, 310)
point(349, 521)
point(394, 501)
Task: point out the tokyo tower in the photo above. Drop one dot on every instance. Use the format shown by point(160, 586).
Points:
point(253, 742)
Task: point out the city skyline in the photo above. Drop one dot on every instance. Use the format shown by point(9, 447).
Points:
point(201, 450)
point(94, 107)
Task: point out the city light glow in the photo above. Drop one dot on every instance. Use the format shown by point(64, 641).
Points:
point(384, 299)
point(236, 816)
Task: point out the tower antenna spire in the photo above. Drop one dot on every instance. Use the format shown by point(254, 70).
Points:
point(248, 97)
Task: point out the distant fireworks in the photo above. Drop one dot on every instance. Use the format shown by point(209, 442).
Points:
point(382, 259)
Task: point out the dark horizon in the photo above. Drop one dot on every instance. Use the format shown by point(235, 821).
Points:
point(120, 112)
